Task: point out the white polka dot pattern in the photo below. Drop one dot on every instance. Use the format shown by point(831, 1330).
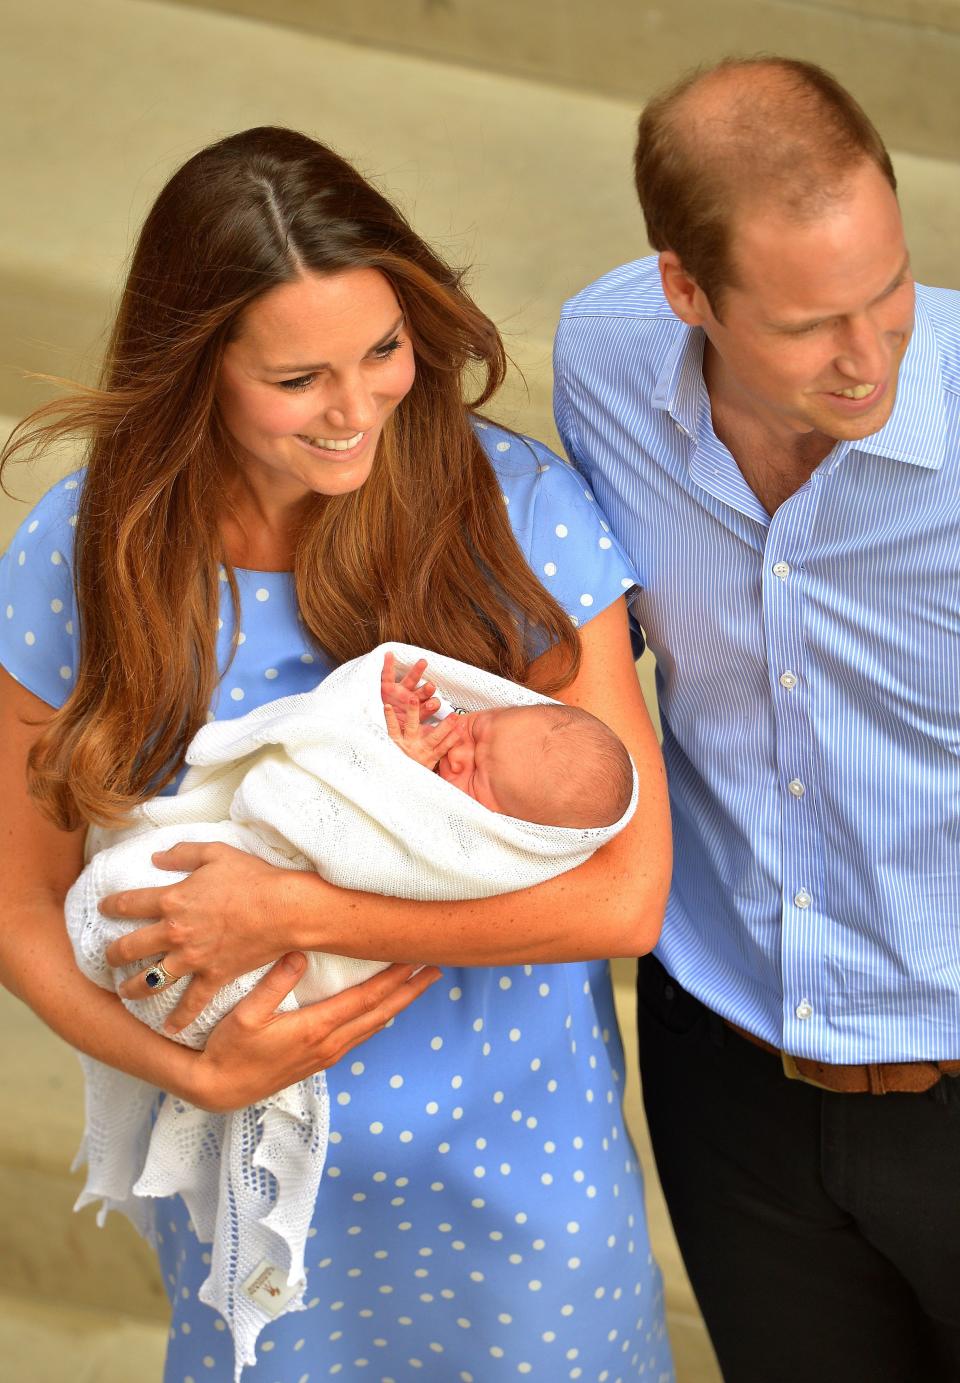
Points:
point(404, 1256)
point(467, 1135)
point(549, 511)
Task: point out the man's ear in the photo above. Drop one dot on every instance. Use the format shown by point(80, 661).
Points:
point(683, 293)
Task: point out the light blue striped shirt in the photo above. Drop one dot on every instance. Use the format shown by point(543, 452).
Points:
point(809, 681)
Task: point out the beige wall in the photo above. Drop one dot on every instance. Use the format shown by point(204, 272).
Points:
point(901, 57)
point(527, 182)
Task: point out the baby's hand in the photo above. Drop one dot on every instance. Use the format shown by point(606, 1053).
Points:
point(395, 694)
point(424, 746)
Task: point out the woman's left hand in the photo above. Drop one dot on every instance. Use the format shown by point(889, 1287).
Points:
point(223, 920)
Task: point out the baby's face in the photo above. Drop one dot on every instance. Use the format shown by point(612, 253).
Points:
point(489, 759)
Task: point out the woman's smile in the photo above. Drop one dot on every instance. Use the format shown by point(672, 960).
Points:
point(334, 444)
point(357, 365)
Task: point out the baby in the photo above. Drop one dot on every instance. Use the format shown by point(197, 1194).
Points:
point(551, 764)
point(540, 786)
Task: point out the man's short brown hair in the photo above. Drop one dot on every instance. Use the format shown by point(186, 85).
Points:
point(762, 130)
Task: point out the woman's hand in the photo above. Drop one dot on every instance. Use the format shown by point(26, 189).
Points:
point(255, 1051)
point(223, 920)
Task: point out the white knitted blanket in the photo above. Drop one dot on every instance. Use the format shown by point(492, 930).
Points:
point(306, 782)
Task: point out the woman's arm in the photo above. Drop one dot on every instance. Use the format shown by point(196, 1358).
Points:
point(612, 905)
point(251, 1054)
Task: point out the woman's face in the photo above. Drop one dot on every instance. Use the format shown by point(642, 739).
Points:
point(316, 368)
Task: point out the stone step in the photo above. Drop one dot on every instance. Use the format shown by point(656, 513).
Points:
point(46, 1250)
point(44, 1341)
point(622, 49)
point(529, 183)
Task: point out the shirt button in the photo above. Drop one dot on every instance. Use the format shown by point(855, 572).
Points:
point(802, 898)
point(788, 680)
point(804, 1009)
point(781, 569)
point(796, 787)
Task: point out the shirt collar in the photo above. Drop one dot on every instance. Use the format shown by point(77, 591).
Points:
point(916, 430)
point(679, 384)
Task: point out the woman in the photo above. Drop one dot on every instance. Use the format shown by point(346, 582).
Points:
point(280, 445)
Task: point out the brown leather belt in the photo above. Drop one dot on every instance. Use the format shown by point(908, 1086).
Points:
point(878, 1078)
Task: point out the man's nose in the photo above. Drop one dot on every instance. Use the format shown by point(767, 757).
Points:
point(864, 353)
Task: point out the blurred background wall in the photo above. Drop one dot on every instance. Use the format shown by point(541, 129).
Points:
point(504, 129)
point(895, 54)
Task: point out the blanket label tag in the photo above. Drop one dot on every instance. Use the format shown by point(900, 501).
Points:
point(267, 1286)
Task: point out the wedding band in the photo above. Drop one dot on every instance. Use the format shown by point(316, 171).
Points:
point(158, 976)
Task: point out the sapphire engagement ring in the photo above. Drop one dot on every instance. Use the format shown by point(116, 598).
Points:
point(158, 976)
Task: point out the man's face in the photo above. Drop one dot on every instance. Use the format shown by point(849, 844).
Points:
point(812, 336)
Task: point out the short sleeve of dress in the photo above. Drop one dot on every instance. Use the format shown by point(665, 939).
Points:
point(38, 621)
point(560, 528)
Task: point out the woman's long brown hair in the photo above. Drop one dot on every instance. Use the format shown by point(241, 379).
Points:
point(422, 553)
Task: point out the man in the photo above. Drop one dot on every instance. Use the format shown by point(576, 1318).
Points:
point(770, 414)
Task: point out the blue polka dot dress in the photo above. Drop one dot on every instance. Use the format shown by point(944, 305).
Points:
point(481, 1215)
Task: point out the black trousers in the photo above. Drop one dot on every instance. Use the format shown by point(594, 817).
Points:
point(821, 1232)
